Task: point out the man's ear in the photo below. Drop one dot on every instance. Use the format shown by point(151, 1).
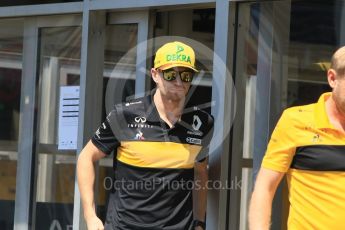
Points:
point(154, 74)
point(331, 77)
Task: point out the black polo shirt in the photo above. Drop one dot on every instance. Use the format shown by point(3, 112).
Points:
point(153, 164)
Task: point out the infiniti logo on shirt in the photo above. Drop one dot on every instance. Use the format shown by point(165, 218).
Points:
point(139, 123)
point(140, 119)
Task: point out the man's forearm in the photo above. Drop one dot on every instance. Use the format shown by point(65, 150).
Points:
point(260, 208)
point(86, 178)
point(200, 191)
point(260, 211)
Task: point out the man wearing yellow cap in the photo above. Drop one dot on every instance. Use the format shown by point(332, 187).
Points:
point(158, 182)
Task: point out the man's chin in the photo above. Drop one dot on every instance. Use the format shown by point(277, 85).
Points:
point(177, 96)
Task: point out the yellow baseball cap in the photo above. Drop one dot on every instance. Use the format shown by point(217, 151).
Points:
point(175, 54)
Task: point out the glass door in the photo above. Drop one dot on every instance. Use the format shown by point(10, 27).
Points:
point(261, 50)
point(11, 51)
point(58, 83)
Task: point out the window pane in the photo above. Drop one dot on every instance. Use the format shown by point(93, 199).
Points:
point(311, 47)
point(120, 62)
point(11, 50)
point(59, 70)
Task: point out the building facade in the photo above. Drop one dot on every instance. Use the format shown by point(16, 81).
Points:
point(63, 64)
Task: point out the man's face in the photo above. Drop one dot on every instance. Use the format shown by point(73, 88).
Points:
point(338, 93)
point(176, 89)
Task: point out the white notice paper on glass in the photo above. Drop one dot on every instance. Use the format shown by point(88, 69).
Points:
point(68, 117)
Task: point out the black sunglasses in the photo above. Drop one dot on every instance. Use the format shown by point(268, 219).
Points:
point(171, 74)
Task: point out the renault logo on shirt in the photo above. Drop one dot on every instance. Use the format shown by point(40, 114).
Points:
point(196, 122)
point(140, 119)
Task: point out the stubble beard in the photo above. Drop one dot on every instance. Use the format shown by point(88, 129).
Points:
point(340, 103)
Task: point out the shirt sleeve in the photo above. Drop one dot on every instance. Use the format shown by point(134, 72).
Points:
point(104, 138)
point(205, 150)
point(281, 148)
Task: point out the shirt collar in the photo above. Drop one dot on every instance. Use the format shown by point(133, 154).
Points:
point(321, 117)
point(150, 107)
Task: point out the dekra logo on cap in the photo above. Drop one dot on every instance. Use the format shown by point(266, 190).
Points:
point(177, 56)
point(179, 49)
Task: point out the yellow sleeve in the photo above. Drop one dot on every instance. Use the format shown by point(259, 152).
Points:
point(281, 147)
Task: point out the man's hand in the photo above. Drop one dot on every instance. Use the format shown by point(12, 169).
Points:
point(94, 223)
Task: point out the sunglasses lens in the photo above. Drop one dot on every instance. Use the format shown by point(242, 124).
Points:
point(169, 75)
point(186, 76)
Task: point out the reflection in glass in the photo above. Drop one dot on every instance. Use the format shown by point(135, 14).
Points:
point(120, 61)
point(313, 39)
point(59, 65)
point(11, 50)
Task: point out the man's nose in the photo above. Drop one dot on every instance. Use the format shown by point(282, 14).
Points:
point(178, 79)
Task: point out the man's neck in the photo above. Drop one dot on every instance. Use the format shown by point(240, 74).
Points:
point(336, 116)
point(169, 110)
